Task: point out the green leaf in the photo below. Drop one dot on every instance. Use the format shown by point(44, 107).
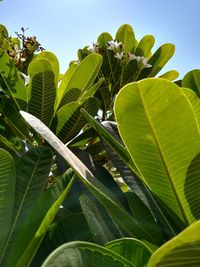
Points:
point(3, 37)
point(180, 251)
point(143, 215)
point(192, 80)
point(195, 102)
point(136, 185)
point(98, 228)
point(92, 90)
point(29, 229)
point(158, 61)
point(82, 77)
point(77, 229)
point(144, 46)
point(32, 171)
point(170, 75)
point(131, 249)
point(14, 119)
point(7, 195)
point(64, 81)
point(103, 195)
point(152, 115)
point(42, 90)
point(84, 254)
point(109, 61)
point(103, 39)
point(83, 138)
point(33, 246)
point(70, 119)
point(54, 63)
point(10, 80)
point(125, 34)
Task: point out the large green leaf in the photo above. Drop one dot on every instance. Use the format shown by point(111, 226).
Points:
point(84, 254)
point(33, 246)
point(180, 251)
point(144, 46)
point(125, 34)
point(108, 63)
point(192, 80)
point(82, 77)
point(7, 195)
point(158, 60)
point(103, 195)
point(32, 171)
point(195, 102)
point(54, 63)
point(152, 116)
point(33, 221)
point(133, 181)
point(64, 81)
point(131, 249)
point(10, 80)
point(42, 90)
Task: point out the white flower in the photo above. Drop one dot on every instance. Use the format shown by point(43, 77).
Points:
point(119, 55)
point(131, 56)
point(144, 61)
point(114, 45)
point(93, 48)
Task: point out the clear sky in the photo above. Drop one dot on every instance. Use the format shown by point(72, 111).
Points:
point(64, 26)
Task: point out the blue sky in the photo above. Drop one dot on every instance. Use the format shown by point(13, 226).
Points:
point(64, 26)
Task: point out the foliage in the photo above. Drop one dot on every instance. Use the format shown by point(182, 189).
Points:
point(126, 60)
point(65, 141)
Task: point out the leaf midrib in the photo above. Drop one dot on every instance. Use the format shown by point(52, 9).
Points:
point(170, 179)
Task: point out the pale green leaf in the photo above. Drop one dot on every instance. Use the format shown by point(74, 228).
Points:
point(144, 46)
point(82, 77)
point(152, 116)
point(125, 34)
point(170, 75)
point(158, 61)
point(180, 251)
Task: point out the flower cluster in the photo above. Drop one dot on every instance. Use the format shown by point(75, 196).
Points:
point(117, 48)
point(93, 48)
